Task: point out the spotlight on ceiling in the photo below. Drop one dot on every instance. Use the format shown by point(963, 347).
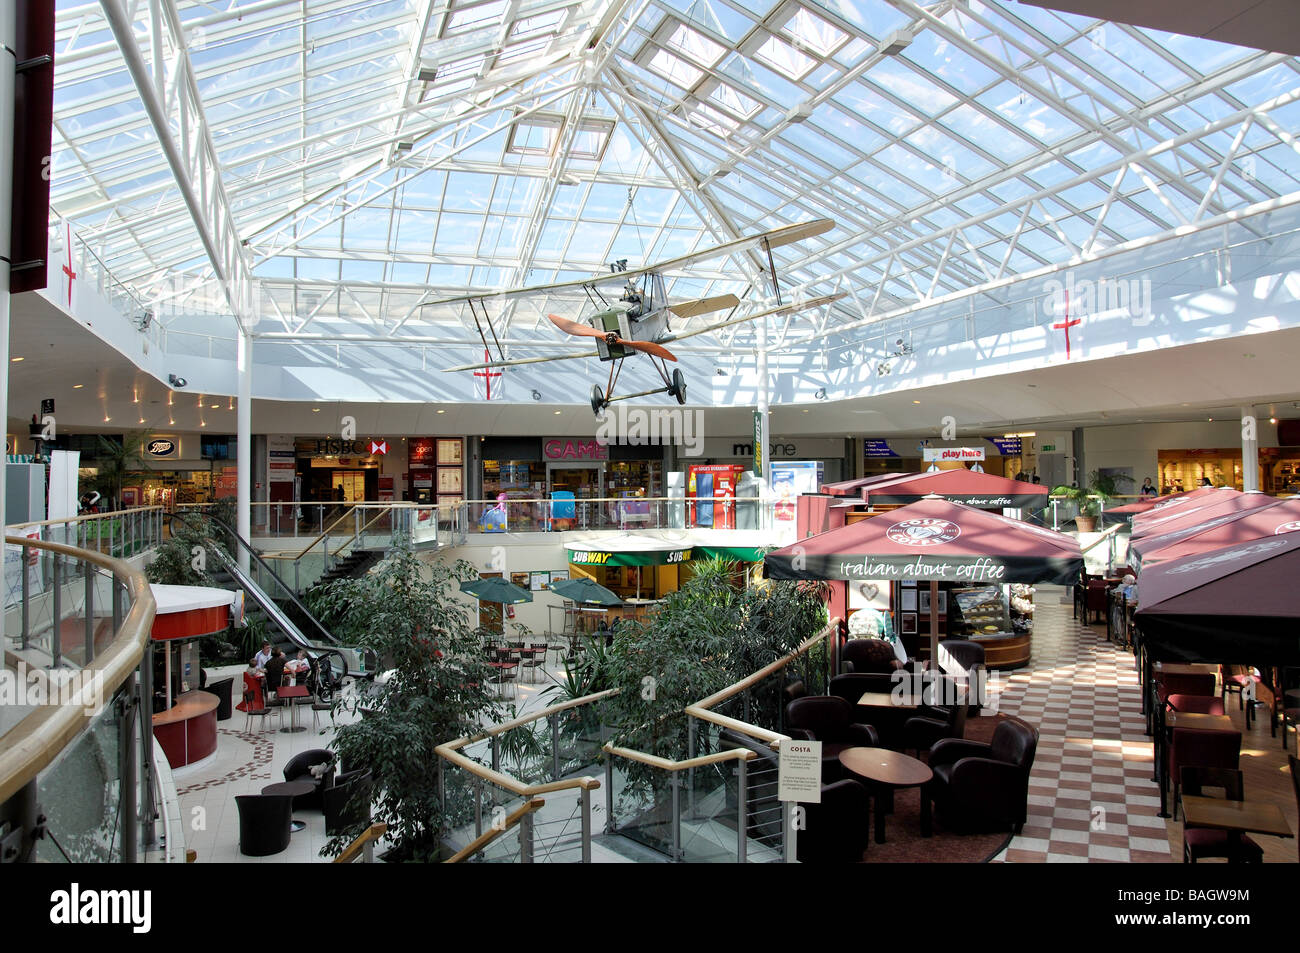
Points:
point(821, 393)
point(176, 381)
point(537, 395)
point(883, 368)
point(719, 372)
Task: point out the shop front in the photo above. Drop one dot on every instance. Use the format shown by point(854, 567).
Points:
point(338, 471)
point(1183, 470)
point(181, 468)
point(436, 470)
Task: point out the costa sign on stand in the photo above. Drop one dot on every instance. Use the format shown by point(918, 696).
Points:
point(161, 447)
point(949, 454)
point(565, 448)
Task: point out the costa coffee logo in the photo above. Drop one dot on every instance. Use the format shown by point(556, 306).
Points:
point(923, 532)
point(1290, 527)
point(161, 448)
point(1231, 555)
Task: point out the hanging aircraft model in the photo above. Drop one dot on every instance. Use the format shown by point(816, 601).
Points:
point(637, 321)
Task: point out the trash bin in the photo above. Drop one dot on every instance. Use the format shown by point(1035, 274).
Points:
point(222, 689)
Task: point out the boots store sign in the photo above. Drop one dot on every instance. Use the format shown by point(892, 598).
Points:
point(162, 447)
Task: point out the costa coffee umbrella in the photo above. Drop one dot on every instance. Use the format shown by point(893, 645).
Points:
point(1274, 519)
point(1165, 505)
point(958, 486)
point(1236, 604)
point(1227, 502)
point(933, 540)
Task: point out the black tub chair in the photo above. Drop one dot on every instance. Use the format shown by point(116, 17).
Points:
point(984, 787)
point(836, 830)
point(829, 720)
point(347, 801)
point(263, 823)
point(299, 769)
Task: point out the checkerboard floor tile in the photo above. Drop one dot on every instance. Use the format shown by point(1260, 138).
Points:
point(1091, 795)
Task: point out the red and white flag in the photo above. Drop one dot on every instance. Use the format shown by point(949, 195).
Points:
point(489, 382)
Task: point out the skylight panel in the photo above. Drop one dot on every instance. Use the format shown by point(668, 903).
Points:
point(591, 139)
point(734, 101)
point(785, 59)
point(457, 233)
point(542, 22)
point(467, 19)
point(535, 136)
point(674, 69)
point(706, 117)
point(911, 87)
point(812, 32)
point(695, 46)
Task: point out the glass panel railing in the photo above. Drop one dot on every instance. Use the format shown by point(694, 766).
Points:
point(527, 515)
point(641, 804)
point(81, 795)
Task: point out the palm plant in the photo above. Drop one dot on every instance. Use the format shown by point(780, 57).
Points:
point(118, 458)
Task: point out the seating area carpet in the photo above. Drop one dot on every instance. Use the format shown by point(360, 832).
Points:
point(904, 843)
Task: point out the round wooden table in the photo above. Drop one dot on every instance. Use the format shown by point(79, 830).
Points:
point(885, 771)
point(294, 789)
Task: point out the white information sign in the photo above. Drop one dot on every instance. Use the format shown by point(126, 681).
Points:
point(799, 775)
point(947, 454)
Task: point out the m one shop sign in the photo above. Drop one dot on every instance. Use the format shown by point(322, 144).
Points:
point(564, 448)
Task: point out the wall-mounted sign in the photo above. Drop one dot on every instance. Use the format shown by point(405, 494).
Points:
point(281, 463)
point(162, 447)
point(758, 443)
point(949, 454)
point(1007, 446)
point(333, 447)
point(574, 448)
point(877, 448)
point(1048, 447)
point(379, 447)
point(419, 452)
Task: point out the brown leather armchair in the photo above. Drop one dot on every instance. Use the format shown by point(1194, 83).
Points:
point(836, 831)
point(869, 655)
point(829, 720)
point(984, 787)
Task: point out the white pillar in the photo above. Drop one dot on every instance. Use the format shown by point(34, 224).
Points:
point(244, 442)
point(764, 426)
point(8, 63)
point(1249, 449)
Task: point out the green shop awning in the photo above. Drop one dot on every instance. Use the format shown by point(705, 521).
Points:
point(610, 557)
point(623, 549)
point(744, 554)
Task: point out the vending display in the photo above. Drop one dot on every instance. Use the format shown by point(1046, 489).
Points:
point(792, 478)
point(706, 483)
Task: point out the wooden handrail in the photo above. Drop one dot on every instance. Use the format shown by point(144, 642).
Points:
point(450, 751)
point(488, 836)
point(702, 709)
point(85, 517)
point(1109, 532)
point(32, 744)
point(642, 757)
point(358, 846)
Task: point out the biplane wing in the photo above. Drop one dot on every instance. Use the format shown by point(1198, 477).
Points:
point(774, 238)
point(791, 308)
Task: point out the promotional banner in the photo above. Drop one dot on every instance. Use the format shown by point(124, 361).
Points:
point(14, 568)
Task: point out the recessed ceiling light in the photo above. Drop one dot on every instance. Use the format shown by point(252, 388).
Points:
point(558, 412)
point(78, 386)
point(442, 411)
point(216, 406)
point(108, 419)
point(916, 401)
point(17, 359)
point(1031, 385)
point(805, 411)
point(315, 410)
point(1248, 355)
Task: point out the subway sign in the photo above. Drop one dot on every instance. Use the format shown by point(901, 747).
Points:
point(668, 557)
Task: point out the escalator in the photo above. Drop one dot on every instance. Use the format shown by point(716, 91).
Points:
point(283, 610)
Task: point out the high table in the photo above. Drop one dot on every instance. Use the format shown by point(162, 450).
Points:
point(886, 771)
point(1235, 817)
point(288, 693)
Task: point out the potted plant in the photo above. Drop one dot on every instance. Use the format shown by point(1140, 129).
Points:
point(1091, 500)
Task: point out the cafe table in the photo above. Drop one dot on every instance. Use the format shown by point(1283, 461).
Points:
point(886, 771)
point(288, 693)
point(1191, 719)
point(1235, 817)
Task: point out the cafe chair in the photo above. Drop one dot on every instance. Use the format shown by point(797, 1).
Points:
point(318, 706)
point(538, 658)
point(869, 655)
point(979, 787)
point(263, 823)
point(1195, 704)
point(1094, 600)
point(837, 830)
point(829, 720)
point(1201, 748)
point(299, 769)
point(922, 731)
point(346, 803)
point(1191, 683)
point(1200, 842)
point(252, 713)
point(886, 722)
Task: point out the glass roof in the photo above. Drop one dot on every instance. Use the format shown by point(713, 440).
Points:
point(380, 154)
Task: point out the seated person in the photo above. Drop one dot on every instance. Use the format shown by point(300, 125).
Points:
point(275, 671)
point(262, 657)
point(298, 665)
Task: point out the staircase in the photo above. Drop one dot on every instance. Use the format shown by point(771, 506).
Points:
point(353, 566)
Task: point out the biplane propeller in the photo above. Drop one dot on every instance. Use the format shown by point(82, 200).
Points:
point(637, 321)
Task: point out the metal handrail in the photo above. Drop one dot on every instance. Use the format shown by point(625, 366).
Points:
point(325, 532)
point(86, 517)
point(34, 743)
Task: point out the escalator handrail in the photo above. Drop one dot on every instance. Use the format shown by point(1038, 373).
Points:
point(293, 597)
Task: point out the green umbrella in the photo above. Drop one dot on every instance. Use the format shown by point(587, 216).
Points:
point(586, 591)
point(497, 589)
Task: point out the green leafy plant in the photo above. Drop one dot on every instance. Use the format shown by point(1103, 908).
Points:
point(174, 562)
point(408, 612)
point(1101, 489)
point(118, 458)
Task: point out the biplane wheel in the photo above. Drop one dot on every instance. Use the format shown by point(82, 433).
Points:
point(678, 388)
point(598, 402)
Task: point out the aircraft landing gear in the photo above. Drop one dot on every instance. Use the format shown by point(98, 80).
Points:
point(678, 386)
point(598, 401)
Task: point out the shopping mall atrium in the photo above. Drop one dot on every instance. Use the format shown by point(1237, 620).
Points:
point(318, 342)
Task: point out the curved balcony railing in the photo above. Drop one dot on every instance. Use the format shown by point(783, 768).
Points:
point(76, 753)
